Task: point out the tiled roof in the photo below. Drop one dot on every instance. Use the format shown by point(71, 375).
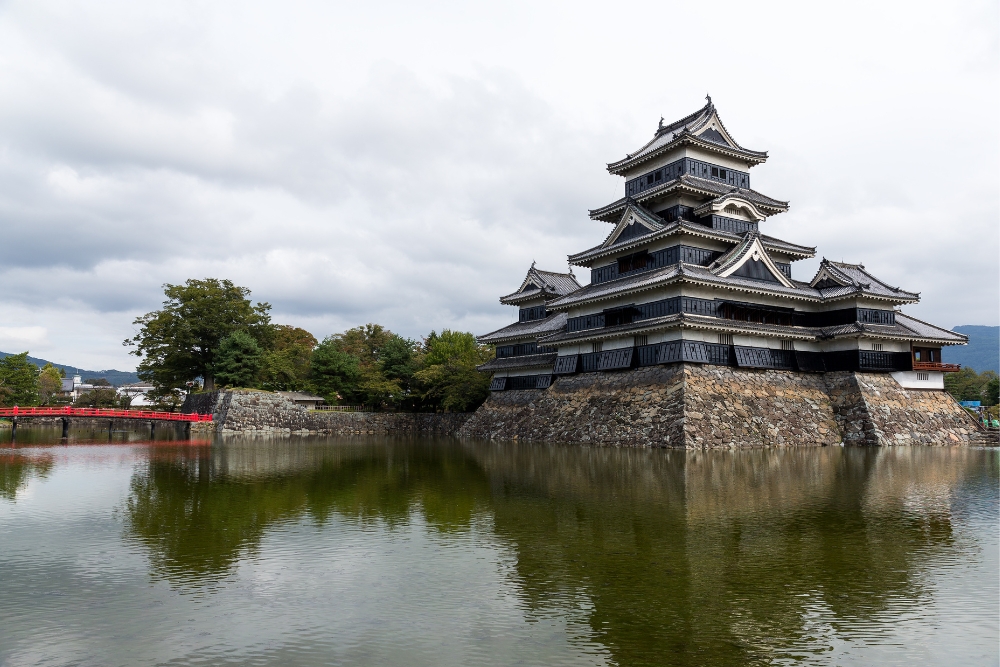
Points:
point(686, 130)
point(699, 274)
point(925, 330)
point(537, 283)
point(906, 328)
point(679, 226)
point(530, 329)
point(853, 278)
point(701, 186)
point(524, 361)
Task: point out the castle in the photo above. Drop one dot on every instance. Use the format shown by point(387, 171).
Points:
point(687, 283)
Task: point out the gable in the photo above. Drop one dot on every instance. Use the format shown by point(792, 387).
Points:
point(632, 225)
point(751, 261)
point(714, 136)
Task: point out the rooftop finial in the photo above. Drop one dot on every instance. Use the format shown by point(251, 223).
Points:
point(661, 123)
point(708, 98)
point(532, 263)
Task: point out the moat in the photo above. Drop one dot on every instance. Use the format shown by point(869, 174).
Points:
point(366, 551)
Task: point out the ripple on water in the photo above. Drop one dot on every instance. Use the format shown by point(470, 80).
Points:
point(438, 552)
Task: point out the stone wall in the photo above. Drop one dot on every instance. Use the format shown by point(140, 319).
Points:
point(261, 412)
point(701, 406)
point(873, 409)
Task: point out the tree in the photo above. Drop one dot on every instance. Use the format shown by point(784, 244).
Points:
point(369, 345)
point(286, 365)
point(49, 383)
point(967, 385)
point(334, 374)
point(993, 391)
point(102, 397)
point(179, 342)
point(449, 379)
point(18, 381)
point(238, 361)
point(97, 382)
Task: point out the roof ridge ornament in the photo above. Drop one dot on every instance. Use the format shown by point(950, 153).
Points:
point(708, 98)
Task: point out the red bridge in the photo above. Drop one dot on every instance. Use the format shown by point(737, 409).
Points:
point(152, 416)
point(105, 413)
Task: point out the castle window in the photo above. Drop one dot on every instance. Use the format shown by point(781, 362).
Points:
point(923, 376)
point(596, 346)
point(715, 172)
point(787, 345)
point(722, 173)
point(641, 340)
point(877, 347)
point(725, 339)
point(658, 176)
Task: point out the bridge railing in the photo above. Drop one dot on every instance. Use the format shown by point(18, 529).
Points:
point(107, 413)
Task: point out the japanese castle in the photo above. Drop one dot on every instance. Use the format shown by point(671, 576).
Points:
point(686, 275)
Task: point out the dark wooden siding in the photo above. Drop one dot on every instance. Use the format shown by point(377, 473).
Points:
point(654, 260)
point(690, 166)
point(529, 314)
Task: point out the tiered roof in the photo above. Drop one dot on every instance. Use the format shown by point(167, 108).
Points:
point(703, 128)
point(545, 284)
point(660, 228)
point(697, 186)
point(871, 287)
point(530, 329)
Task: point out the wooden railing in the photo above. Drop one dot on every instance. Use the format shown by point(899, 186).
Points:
point(936, 366)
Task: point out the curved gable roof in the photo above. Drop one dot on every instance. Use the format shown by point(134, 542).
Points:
point(703, 127)
point(545, 284)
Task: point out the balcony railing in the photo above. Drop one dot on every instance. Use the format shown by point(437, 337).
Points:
point(936, 366)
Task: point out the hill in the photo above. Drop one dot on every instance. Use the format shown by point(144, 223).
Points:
point(117, 378)
point(981, 354)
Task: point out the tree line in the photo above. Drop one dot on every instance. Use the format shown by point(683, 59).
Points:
point(209, 334)
point(968, 385)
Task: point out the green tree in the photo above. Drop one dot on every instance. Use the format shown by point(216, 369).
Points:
point(179, 342)
point(100, 397)
point(286, 364)
point(49, 383)
point(18, 381)
point(993, 391)
point(382, 363)
point(335, 374)
point(448, 379)
point(239, 360)
point(967, 385)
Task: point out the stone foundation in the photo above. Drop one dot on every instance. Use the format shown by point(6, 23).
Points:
point(260, 412)
point(702, 407)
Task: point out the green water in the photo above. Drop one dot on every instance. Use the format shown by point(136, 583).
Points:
point(437, 552)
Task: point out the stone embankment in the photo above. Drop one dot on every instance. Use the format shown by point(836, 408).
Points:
point(704, 407)
point(261, 412)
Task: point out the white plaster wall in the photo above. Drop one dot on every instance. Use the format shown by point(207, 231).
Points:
point(910, 379)
point(516, 372)
point(691, 152)
point(887, 345)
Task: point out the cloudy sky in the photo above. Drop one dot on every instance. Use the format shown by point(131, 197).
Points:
point(403, 163)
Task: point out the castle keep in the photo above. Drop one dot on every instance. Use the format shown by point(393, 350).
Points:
point(688, 295)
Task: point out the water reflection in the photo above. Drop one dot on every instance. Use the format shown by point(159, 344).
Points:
point(199, 510)
point(680, 557)
point(16, 469)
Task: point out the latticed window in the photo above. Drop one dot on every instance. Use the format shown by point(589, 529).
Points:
point(877, 347)
point(596, 346)
point(641, 340)
point(725, 339)
point(787, 345)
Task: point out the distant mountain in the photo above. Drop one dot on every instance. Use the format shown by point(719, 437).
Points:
point(117, 378)
point(981, 354)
